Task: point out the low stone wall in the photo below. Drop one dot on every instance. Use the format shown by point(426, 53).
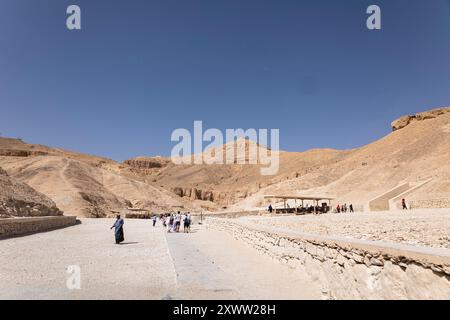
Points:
point(13, 227)
point(236, 214)
point(351, 269)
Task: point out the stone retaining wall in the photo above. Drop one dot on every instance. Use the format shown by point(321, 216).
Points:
point(351, 269)
point(237, 214)
point(23, 226)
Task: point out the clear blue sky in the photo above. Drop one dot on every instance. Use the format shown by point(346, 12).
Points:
point(139, 69)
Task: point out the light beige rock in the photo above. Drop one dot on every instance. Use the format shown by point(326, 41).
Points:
point(17, 199)
point(95, 186)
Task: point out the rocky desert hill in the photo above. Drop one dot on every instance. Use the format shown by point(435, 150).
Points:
point(225, 184)
point(83, 185)
point(416, 151)
point(20, 200)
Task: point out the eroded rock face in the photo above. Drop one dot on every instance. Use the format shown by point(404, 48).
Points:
point(146, 163)
point(220, 198)
point(194, 194)
point(406, 120)
point(17, 199)
point(21, 153)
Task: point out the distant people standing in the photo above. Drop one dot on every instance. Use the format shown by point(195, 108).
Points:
point(118, 230)
point(190, 222)
point(270, 208)
point(338, 209)
point(351, 207)
point(177, 221)
point(404, 206)
point(171, 223)
point(187, 223)
point(154, 220)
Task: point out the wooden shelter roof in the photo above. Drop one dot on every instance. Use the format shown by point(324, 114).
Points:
point(285, 197)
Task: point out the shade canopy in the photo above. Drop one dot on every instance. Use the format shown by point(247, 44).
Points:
point(285, 197)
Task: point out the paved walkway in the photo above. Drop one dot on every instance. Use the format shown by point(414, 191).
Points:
point(151, 264)
point(216, 266)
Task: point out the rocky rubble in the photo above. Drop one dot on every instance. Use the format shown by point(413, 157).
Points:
point(20, 200)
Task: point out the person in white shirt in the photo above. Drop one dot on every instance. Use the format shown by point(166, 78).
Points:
point(177, 221)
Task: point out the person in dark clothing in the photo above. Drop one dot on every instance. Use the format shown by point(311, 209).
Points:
point(118, 230)
point(171, 223)
point(404, 204)
point(187, 223)
point(270, 208)
point(351, 208)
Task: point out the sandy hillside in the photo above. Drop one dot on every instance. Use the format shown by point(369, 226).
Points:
point(225, 184)
point(80, 184)
point(20, 200)
point(417, 150)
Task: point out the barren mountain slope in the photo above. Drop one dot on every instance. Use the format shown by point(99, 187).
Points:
point(417, 150)
point(228, 183)
point(20, 200)
point(80, 184)
point(414, 153)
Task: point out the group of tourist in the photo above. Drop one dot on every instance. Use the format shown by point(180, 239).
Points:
point(169, 220)
point(344, 208)
point(340, 208)
point(324, 208)
point(173, 221)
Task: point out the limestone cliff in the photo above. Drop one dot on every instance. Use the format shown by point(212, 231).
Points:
point(406, 120)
